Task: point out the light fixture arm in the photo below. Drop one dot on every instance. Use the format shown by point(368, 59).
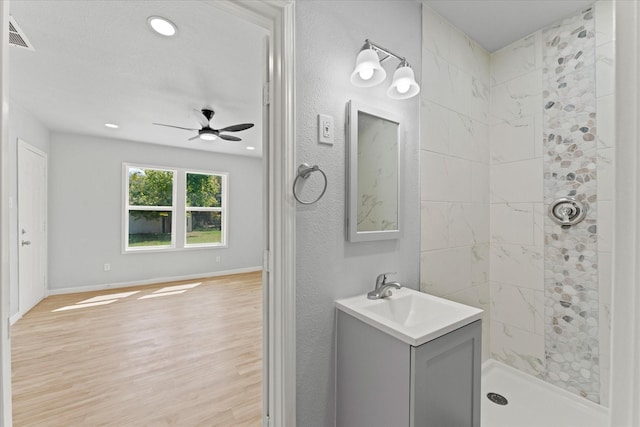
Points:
point(368, 44)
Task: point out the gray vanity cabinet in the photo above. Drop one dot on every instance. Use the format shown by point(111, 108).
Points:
point(384, 382)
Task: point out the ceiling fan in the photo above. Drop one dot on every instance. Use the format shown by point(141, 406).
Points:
point(208, 133)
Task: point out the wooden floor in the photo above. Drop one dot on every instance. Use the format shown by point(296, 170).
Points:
point(153, 358)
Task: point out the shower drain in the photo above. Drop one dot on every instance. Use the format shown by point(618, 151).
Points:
point(497, 398)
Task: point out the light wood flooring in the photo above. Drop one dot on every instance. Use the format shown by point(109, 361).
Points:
point(181, 359)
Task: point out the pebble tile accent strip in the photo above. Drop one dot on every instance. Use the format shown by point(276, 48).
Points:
point(571, 264)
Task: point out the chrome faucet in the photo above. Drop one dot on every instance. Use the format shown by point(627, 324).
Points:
point(383, 288)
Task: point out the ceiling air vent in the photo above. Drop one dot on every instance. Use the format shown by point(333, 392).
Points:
point(17, 37)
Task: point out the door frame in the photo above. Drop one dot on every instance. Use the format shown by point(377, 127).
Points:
point(23, 145)
point(277, 16)
point(624, 387)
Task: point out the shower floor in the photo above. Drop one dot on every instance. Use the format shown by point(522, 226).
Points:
point(532, 402)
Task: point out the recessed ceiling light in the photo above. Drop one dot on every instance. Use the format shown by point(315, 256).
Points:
point(111, 125)
point(162, 25)
point(251, 148)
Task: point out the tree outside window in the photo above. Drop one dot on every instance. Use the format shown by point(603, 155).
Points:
point(152, 197)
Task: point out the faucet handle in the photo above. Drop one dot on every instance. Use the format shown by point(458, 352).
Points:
point(382, 278)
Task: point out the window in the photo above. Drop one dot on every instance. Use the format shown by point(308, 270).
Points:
point(150, 208)
point(204, 211)
point(158, 199)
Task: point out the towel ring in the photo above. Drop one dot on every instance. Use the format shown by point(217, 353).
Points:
point(304, 171)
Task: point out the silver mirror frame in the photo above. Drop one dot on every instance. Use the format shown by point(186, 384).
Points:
point(353, 142)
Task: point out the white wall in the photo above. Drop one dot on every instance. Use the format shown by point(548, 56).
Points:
point(329, 35)
point(86, 207)
point(22, 125)
point(454, 160)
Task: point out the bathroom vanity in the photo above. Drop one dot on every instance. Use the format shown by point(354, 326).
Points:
point(408, 360)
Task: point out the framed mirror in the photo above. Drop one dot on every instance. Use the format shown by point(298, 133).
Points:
point(373, 167)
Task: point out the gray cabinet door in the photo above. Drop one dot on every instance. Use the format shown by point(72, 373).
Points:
point(445, 380)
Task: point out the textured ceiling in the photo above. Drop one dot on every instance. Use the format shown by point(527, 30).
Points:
point(497, 23)
point(97, 62)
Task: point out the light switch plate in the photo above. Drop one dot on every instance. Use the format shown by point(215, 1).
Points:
point(326, 130)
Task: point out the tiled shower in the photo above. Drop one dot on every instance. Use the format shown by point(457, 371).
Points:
point(503, 135)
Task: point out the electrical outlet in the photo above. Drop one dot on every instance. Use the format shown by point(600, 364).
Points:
point(325, 129)
point(107, 267)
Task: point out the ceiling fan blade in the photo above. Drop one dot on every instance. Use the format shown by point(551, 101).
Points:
point(204, 122)
point(172, 126)
point(236, 128)
point(229, 138)
point(194, 137)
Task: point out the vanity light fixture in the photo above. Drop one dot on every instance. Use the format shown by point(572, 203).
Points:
point(368, 72)
point(111, 125)
point(162, 26)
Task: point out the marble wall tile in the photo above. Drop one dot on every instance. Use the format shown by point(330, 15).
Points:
point(479, 182)
point(517, 265)
point(516, 182)
point(605, 70)
point(605, 284)
point(480, 144)
point(605, 29)
point(445, 271)
point(540, 211)
point(478, 296)
point(435, 32)
point(518, 348)
point(538, 297)
point(512, 223)
point(514, 60)
point(435, 127)
point(513, 305)
point(605, 106)
point(468, 224)
point(434, 225)
point(444, 178)
point(605, 226)
point(606, 174)
point(462, 131)
point(517, 98)
point(480, 257)
point(538, 147)
point(436, 82)
point(513, 140)
point(479, 100)
point(459, 98)
point(475, 296)
point(461, 218)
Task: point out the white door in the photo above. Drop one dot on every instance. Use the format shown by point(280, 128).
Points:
point(32, 242)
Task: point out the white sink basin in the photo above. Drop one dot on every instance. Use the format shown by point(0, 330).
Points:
point(411, 316)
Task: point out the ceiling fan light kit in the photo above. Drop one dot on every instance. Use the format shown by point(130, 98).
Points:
point(208, 133)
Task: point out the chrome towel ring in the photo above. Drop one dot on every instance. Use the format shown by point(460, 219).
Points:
point(304, 171)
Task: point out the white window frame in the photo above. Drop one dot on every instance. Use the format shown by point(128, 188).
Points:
point(127, 208)
point(178, 210)
point(223, 209)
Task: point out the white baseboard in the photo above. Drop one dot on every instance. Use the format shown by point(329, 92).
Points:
point(105, 286)
point(13, 319)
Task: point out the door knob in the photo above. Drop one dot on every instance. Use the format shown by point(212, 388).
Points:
point(26, 243)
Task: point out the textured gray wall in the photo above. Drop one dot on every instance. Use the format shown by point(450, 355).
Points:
point(24, 126)
point(329, 35)
point(85, 213)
